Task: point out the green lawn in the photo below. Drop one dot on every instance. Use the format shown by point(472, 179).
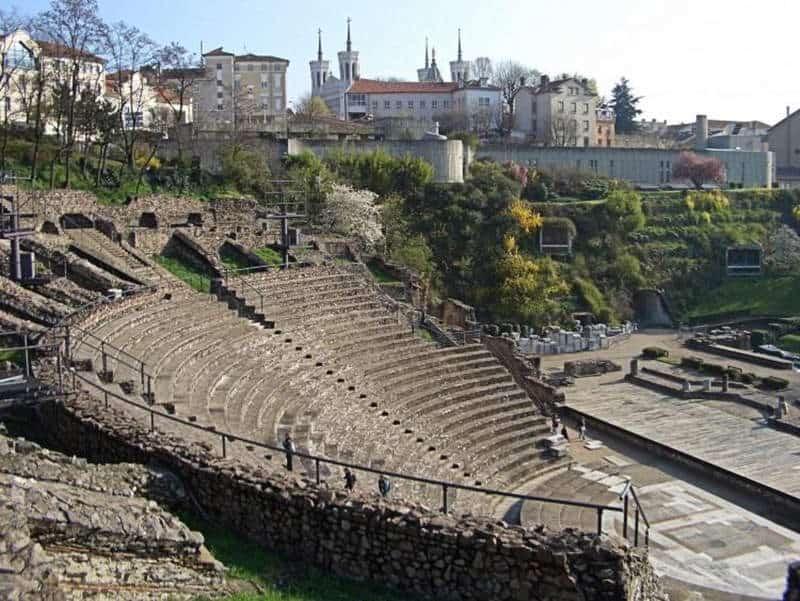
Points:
point(16, 357)
point(270, 255)
point(381, 275)
point(280, 579)
point(772, 296)
point(790, 342)
point(199, 280)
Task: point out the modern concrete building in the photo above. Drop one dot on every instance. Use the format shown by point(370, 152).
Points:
point(784, 141)
point(562, 112)
point(246, 91)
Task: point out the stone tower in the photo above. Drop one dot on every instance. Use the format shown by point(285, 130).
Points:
point(319, 68)
point(348, 60)
point(701, 133)
point(459, 68)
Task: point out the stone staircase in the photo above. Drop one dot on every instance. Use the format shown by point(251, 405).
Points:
point(339, 371)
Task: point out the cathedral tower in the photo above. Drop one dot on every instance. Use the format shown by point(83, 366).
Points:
point(348, 60)
point(319, 68)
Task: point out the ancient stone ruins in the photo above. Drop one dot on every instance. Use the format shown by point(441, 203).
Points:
point(168, 399)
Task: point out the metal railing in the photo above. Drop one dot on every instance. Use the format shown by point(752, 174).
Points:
point(230, 272)
point(227, 438)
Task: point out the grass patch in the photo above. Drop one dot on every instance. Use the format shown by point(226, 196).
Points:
point(773, 296)
point(669, 360)
point(197, 279)
point(270, 255)
point(381, 275)
point(790, 342)
point(280, 578)
point(16, 357)
point(425, 335)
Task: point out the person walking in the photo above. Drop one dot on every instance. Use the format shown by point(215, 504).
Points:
point(288, 446)
point(582, 435)
point(384, 486)
point(349, 479)
point(554, 424)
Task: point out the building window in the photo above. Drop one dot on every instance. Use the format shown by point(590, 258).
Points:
point(387, 104)
point(19, 57)
point(586, 141)
point(264, 84)
point(236, 67)
point(220, 106)
point(219, 82)
point(560, 106)
point(279, 104)
point(484, 101)
point(533, 107)
point(264, 67)
point(593, 165)
point(398, 105)
point(219, 95)
point(585, 126)
point(358, 99)
point(411, 105)
point(611, 168)
point(265, 103)
point(600, 130)
point(586, 108)
point(219, 67)
point(434, 104)
point(276, 82)
point(446, 104)
point(422, 104)
point(249, 67)
point(374, 105)
point(574, 107)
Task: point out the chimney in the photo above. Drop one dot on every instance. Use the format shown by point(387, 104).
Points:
point(701, 133)
point(544, 80)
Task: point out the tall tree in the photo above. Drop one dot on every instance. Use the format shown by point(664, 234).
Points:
point(129, 50)
point(510, 76)
point(178, 70)
point(74, 27)
point(482, 67)
point(625, 105)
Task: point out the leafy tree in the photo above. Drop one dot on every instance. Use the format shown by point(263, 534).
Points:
point(623, 213)
point(527, 219)
point(245, 169)
point(311, 108)
point(381, 172)
point(313, 178)
point(625, 105)
point(699, 169)
point(529, 289)
point(177, 73)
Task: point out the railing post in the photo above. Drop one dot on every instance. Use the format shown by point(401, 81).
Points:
point(262, 302)
point(625, 519)
point(152, 420)
point(150, 388)
point(636, 527)
point(316, 464)
point(74, 380)
point(67, 352)
point(27, 358)
point(103, 355)
point(444, 498)
point(141, 372)
point(647, 536)
point(60, 375)
point(224, 448)
point(599, 521)
point(105, 393)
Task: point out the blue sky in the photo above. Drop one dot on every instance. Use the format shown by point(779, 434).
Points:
point(731, 59)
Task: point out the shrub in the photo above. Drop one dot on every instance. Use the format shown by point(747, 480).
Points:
point(692, 362)
point(654, 352)
point(748, 378)
point(773, 383)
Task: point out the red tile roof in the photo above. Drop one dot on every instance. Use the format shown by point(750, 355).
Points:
point(371, 86)
point(53, 49)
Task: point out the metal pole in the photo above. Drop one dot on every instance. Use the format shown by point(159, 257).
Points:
point(103, 355)
point(224, 448)
point(152, 420)
point(636, 528)
point(141, 372)
point(316, 461)
point(647, 536)
point(150, 388)
point(599, 521)
point(444, 498)
point(60, 375)
point(66, 344)
point(74, 380)
point(625, 519)
point(27, 358)
point(105, 393)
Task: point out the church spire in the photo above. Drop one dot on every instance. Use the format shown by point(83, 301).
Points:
point(459, 45)
point(319, 44)
point(349, 43)
point(433, 56)
point(427, 62)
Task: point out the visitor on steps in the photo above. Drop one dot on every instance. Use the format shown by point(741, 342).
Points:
point(384, 486)
point(554, 424)
point(582, 435)
point(564, 432)
point(288, 446)
point(349, 479)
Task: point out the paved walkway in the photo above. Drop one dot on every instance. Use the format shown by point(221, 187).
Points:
point(731, 440)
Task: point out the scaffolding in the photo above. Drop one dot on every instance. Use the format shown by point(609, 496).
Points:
point(286, 201)
point(12, 214)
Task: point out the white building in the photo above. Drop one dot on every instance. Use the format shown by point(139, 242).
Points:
point(351, 97)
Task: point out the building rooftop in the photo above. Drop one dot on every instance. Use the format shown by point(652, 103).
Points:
point(56, 50)
point(371, 86)
point(218, 52)
point(259, 58)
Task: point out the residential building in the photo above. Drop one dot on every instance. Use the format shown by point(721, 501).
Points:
point(561, 112)
point(246, 91)
point(23, 57)
point(145, 102)
point(722, 134)
point(351, 97)
point(606, 126)
point(784, 141)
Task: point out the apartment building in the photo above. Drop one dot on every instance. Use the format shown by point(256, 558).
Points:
point(246, 91)
point(606, 126)
point(561, 112)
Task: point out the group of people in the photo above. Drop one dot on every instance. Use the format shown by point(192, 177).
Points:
point(557, 426)
point(384, 485)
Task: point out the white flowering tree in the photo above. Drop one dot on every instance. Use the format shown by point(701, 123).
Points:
point(782, 250)
point(353, 213)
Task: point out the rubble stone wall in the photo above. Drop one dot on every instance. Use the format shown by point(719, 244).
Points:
point(362, 536)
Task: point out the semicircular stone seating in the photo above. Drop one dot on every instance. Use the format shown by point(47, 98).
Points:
point(339, 370)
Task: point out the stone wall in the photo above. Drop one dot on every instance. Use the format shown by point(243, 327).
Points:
point(547, 398)
point(405, 546)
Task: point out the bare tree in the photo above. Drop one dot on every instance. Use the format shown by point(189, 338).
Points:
point(178, 71)
point(311, 108)
point(482, 68)
point(74, 28)
point(563, 132)
point(129, 50)
point(510, 76)
point(11, 20)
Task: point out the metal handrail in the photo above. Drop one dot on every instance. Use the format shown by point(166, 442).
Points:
point(226, 437)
